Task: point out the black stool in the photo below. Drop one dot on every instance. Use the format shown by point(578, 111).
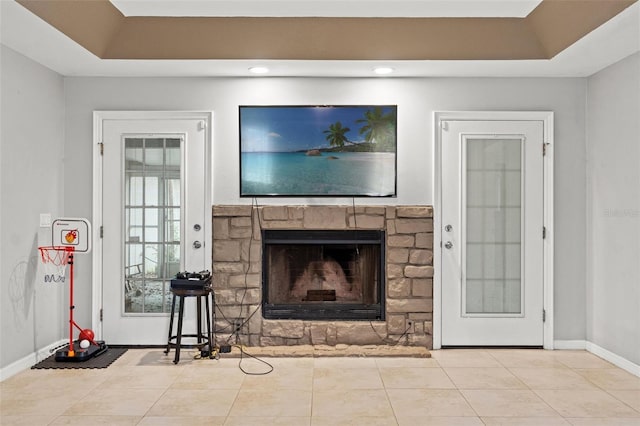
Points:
point(175, 341)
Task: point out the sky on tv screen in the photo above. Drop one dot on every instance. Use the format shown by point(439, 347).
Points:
point(290, 129)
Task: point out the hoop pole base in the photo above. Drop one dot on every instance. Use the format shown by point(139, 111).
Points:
point(80, 355)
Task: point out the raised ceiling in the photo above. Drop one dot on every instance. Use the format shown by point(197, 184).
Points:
point(308, 38)
point(330, 8)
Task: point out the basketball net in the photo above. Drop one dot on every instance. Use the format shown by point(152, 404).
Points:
point(55, 260)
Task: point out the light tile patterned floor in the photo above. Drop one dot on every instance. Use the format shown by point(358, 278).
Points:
point(454, 387)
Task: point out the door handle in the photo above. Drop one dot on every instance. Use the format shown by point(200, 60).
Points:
point(197, 244)
point(448, 245)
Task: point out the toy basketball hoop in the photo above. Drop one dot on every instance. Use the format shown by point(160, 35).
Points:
point(71, 233)
point(70, 236)
point(55, 259)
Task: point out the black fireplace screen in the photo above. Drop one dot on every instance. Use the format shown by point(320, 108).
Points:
point(323, 275)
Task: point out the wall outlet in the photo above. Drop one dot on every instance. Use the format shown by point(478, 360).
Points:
point(237, 324)
point(409, 326)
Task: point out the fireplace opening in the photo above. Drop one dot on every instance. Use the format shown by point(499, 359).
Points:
point(324, 275)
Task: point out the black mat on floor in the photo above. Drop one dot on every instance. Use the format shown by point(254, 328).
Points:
point(101, 361)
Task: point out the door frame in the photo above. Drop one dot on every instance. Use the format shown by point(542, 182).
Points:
point(546, 117)
point(97, 202)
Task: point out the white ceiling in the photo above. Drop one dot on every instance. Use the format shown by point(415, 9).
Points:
point(26, 33)
point(328, 8)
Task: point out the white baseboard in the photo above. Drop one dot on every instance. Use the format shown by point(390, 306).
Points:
point(29, 360)
point(614, 359)
point(599, 351)
point(570, 344)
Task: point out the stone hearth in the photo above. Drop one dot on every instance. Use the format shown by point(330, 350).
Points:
point(237, 274)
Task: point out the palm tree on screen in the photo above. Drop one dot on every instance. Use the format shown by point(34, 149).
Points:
point(336, 134)
point(379, 128)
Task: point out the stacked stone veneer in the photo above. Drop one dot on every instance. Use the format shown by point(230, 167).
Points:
point(237, 274)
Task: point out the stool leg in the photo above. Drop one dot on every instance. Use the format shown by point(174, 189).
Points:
point(179, 336)
point(173, 310)
point(199, 318)
point(213, 317)
point(211, 342)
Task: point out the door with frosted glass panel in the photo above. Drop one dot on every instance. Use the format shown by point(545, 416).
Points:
point(155, 223)
point(492, 242)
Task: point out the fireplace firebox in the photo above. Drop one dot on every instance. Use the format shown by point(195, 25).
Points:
point(323, 274)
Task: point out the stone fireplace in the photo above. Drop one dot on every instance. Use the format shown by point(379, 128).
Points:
point(395, 304)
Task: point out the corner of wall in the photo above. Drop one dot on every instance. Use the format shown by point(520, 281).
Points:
point(588, 220)
point(613, 210)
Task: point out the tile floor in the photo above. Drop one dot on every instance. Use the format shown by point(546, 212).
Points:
point(454, 387)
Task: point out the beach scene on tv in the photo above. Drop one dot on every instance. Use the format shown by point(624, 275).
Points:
point(318, 151)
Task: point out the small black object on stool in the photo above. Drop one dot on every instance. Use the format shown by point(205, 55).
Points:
point(198, 286)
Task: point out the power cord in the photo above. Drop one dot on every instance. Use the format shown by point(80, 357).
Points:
point(243, 353)
point(206, 353)
point(387, 340)
point(355, 225)
point(238, 327)
point(215, 354)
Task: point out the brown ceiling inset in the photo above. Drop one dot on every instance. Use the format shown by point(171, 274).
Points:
point(322, 38)
point(550, 28)
point(560, 23)
point(92, 24)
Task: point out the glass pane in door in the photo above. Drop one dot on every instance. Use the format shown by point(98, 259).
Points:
point(493, 216)
point(152, 233)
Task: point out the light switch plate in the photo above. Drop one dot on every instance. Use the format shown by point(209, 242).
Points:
point(45, 220)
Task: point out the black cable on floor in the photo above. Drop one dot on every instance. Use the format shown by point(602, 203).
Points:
point(243, 353)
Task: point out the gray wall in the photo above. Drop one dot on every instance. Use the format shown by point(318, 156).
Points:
point(46, 158)
point(33, 314)
point(613, 185)
point(46, 164)
point(417, 99)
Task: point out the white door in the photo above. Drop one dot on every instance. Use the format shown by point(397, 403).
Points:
point(492, 233)
point(155, 219)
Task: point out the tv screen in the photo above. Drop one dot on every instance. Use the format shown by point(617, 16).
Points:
point(318, 151)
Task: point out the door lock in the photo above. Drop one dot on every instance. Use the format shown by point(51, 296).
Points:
point(197, 227)
point(448, 245)
point(197, 244)
point(448, 228)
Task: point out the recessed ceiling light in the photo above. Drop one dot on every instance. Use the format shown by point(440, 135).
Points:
point(383, 70)
point(258, 70)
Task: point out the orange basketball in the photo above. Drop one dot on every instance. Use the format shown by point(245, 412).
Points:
point(70, 237)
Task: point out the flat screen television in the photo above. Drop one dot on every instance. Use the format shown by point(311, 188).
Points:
point(318, 151)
